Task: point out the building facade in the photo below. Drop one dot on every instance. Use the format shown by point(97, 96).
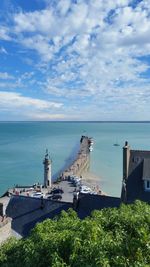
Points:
point(136, 175)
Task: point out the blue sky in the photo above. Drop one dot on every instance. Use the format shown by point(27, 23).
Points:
point(74, 60)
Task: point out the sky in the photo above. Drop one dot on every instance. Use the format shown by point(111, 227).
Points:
point(74, 60)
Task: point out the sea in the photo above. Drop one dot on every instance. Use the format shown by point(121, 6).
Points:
point(23, 146)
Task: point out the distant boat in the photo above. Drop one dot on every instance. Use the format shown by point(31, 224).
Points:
point(116, 144)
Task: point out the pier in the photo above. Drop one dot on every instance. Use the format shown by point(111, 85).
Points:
point(82, 160)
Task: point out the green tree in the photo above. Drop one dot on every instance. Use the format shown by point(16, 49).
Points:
point(114, 237)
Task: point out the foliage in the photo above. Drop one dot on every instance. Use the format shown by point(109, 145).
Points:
point(110, 237)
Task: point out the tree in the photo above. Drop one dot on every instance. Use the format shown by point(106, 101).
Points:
point(111, 237)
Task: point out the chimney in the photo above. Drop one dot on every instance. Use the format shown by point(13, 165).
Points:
point(126, 158)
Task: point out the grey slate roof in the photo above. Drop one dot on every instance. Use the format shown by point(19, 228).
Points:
point(27, 211)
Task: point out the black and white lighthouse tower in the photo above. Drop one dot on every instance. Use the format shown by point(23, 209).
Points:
point(47, 170)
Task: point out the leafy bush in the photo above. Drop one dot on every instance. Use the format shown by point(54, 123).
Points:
point(110, 237)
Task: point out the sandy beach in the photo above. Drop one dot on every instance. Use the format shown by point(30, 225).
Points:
point(92, 180)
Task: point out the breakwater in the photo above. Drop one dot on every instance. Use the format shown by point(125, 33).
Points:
point(82, 160)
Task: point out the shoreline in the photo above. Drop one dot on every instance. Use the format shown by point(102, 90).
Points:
point(93, 181)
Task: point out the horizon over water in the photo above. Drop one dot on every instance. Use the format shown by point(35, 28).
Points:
point(23, 146)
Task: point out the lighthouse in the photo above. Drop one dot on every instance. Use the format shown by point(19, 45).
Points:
point(47, 170)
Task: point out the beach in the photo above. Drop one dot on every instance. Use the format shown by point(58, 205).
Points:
point(93, 181)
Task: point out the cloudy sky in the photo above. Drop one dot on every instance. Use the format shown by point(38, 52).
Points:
point(74, 60)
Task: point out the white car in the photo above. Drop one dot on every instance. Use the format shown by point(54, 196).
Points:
point(84, 187)
point(93, 193)
point(29, 189)
point(38, 194)
point(77, 181)
point(85, 190)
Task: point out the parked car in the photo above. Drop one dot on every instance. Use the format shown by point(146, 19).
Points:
point(76, 180)
point(77, 184)
point(57, 191)
point(49, 197)
point(56, 197)
point(93, 193)
point(85, 190)
point(29, 189)
point(38, 194)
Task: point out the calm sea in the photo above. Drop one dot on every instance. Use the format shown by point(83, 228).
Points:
point(23, 145)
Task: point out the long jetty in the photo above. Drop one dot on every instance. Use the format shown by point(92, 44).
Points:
point(82, 160)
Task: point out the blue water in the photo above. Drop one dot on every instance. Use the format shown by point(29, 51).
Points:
point(23, 145)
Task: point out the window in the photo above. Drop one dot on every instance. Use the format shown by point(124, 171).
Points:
point(147, 185)
point(136, 159)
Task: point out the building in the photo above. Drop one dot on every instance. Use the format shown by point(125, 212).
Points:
point(136, 175)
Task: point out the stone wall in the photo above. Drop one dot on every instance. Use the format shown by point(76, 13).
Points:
point(5, 230)
point(88, 202)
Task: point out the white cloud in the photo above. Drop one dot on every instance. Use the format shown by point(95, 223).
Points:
point(39, 44)
point(45, 116)
point(26, 108)
point(4, 33)
point(41, 21)
point(12, 100)
point(5, 76)
point(86, 23)
point(27, 75)
point(63, 6)
point(87, 49)
point(3, 51)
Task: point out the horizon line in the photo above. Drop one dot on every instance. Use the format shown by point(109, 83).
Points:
point(80, 121)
